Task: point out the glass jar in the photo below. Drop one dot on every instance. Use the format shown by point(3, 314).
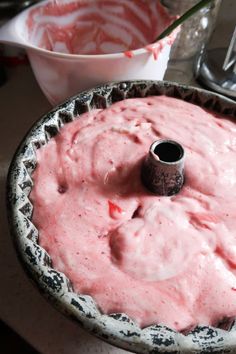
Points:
point(195, 31)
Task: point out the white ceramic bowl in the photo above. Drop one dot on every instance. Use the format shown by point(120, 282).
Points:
point(61, 74)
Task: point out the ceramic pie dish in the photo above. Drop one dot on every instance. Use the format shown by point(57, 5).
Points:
point(117, 329)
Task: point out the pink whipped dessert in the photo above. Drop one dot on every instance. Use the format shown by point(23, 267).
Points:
point(168, 260)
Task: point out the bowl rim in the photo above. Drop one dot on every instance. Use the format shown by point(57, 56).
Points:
point(135, 52)
point(116, 329)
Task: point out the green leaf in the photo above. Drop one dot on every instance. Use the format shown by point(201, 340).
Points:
point(184, 17)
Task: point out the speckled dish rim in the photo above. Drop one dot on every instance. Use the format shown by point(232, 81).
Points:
point(117, 329)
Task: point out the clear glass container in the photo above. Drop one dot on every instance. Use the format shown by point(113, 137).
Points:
point(195, 32)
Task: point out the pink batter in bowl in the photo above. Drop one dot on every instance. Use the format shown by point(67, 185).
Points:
point(75, 45)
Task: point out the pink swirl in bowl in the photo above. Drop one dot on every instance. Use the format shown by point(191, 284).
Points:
point(96, 27)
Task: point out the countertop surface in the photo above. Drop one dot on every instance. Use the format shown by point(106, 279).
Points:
point(21, 305)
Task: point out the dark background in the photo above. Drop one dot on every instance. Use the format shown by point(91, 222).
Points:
point(11, 343)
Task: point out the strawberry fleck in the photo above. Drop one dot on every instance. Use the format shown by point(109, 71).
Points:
point(114, 210)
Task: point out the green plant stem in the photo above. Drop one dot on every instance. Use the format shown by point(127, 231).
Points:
point(183, 18)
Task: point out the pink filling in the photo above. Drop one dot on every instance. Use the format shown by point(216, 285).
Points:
point(97, 27)
point(169, 260)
